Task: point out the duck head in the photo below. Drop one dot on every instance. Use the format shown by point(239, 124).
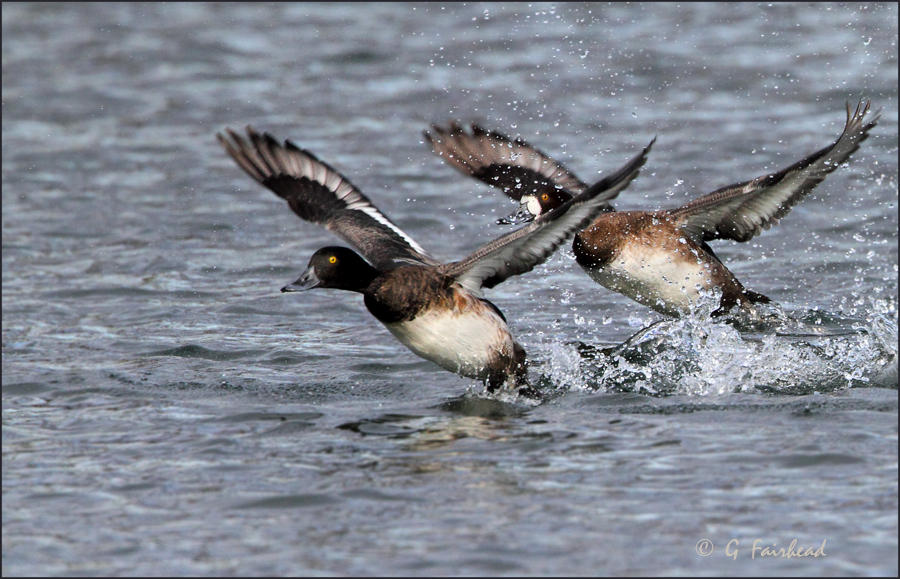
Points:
point(335, 267)
point(534, 205)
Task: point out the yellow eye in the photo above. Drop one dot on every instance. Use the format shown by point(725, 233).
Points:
point(545, 197)
point(332, 259)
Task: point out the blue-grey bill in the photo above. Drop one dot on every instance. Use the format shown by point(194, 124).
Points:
point(305, 282)
point(522, 215)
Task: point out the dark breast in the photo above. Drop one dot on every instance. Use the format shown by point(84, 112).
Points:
point(400, 294)
point(598, 244)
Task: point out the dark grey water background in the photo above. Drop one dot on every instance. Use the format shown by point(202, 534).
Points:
point(167, 411)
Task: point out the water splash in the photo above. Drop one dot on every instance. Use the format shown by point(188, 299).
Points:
point(776, 352)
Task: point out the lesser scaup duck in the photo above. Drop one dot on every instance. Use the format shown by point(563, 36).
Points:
point(658, 258)
point(433, 308)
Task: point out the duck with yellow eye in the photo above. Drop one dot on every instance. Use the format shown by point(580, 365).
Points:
point(435, 309)
point(333, 267)
point(660, 258)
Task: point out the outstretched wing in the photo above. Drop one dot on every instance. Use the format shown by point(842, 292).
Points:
point(611, 185)
point(521, 250)
point(513, 166)
point(318, 193)
point(741, 211)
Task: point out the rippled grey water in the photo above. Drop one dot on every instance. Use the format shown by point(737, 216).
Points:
point(167, 411)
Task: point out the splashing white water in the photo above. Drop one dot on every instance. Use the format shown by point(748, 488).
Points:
point(812, 352)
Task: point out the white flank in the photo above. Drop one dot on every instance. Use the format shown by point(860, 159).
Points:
point(463, 342)
point(668, 283)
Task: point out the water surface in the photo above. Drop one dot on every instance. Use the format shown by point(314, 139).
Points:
point(166, 411)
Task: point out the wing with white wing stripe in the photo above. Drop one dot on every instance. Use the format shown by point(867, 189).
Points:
point(742, 211)
point(320, 194)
